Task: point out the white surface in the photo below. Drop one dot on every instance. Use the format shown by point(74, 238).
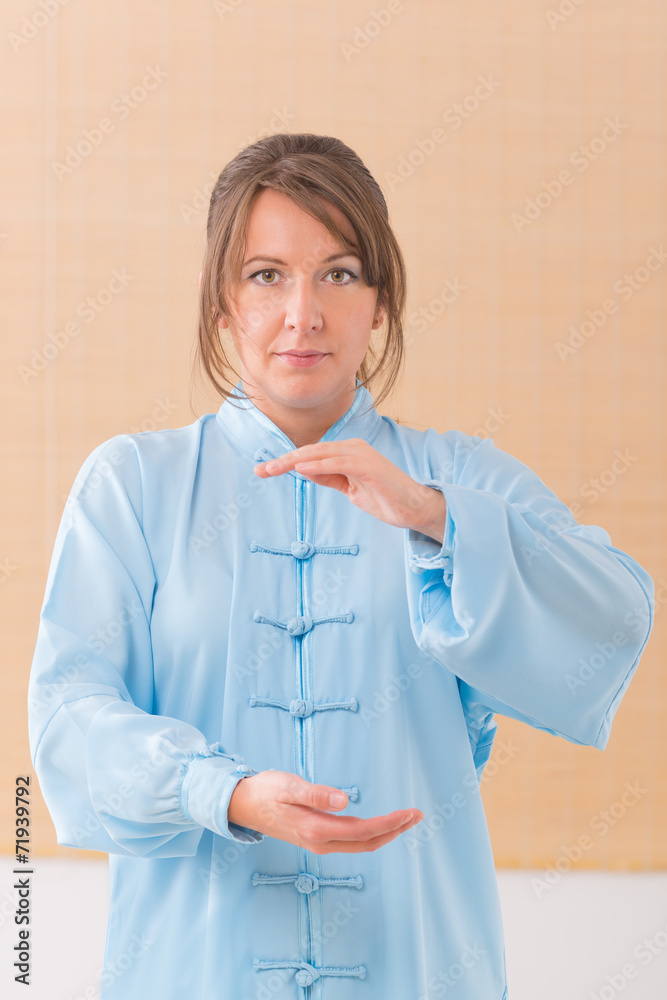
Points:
point(570, 941)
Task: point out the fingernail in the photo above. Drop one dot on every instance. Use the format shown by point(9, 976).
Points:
point(270, 466)
point(337, 799)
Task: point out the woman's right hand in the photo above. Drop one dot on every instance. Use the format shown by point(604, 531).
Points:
point(286, 806)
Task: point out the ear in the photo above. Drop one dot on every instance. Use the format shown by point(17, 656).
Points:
point(380, 316)
point(222, 322)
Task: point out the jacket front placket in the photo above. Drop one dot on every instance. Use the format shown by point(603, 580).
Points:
point(303, 709)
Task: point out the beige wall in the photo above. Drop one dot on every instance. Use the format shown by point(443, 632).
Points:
point(487, 362)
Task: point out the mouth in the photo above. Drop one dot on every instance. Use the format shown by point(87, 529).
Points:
point(302, 359)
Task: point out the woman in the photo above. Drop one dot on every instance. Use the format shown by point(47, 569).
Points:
point(296, 597)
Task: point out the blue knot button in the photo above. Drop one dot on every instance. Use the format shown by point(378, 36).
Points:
point(307, 976)
point(307, 883)
point(302, 550)
point(299, 624)
point(301, 708)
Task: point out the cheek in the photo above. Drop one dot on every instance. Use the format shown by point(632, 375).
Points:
point(255, 324)
point(360, 321)
point(355, 312)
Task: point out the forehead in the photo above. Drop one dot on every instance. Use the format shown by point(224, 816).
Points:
point(276, 220)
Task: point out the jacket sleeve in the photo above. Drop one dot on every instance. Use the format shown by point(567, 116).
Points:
point(115, 777)
point(540, 618)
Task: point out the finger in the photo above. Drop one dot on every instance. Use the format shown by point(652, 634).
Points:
point(349, 465)
point(311, 472)
point(310, 452)
point(298, 791)
point(259, 470)
point(326, 449)
point(378, 826)
point(322, 828)
point(358, 846)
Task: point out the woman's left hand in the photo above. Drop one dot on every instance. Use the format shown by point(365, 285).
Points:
point(368, 480)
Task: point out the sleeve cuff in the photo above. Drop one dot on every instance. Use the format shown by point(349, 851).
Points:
point(424, 552)
point(207, 788)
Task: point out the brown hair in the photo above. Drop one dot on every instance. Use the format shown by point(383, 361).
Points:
point(309, 169)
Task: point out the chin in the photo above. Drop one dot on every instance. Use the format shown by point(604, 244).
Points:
point(303, 390)
point(307, 388)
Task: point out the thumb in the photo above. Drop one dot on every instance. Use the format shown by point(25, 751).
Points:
point(335, 798)
point(322, 796)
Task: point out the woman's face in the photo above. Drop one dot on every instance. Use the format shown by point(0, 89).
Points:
point(300, 291)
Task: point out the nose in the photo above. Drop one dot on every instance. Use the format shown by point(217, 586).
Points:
point(303, 311)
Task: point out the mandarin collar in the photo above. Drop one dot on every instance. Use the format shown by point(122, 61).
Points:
point(256, 435)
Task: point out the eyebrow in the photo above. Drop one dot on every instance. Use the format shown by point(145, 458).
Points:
point(275, 260)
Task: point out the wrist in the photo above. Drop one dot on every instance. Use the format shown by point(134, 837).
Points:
point(236, 810)
point(432, 524)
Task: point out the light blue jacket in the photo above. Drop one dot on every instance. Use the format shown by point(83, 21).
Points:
point(202, 624)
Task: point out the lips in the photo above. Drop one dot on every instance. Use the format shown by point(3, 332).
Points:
point(302, 359)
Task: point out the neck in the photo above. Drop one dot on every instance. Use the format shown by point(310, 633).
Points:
point(303, 425)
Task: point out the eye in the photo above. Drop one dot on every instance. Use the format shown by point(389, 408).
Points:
point(267, 270)
point(341, 271)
